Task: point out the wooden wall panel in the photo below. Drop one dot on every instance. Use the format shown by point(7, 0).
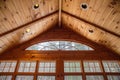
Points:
point(15, 13)
point(63, 55)
point(91, 32)
point(28, 32)
point(57, 33)
point(104, 13)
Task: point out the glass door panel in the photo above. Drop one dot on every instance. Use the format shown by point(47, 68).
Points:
point(27, 66)
point(5, 77)
point(72, 70)
point(24, 77)
point(113, 77)
point(73, 77)
point(46, 78)
point(47, 67)
point(47, 70)
point(72, 66)
point(94, 77)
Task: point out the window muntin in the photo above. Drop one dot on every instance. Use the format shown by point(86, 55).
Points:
point(92, 66)
point(7, 66)
point(5, 77)
point(47, 66)
point(46, 78)
point(50, 67)
point(111, 66)
point(24, 77)
point(113, 77)
point(27, 66)
point(94, 77)
point(59, 45)
point(71, 77)
point(72, 66)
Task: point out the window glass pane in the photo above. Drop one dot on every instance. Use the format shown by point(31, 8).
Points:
point(59, 45)
point(94, 77)
point(24, 77)
point(113, 77)
point(46, 78)
point(27, 66)
point(7, 66)
point(111, 66)
point(47, 66)
point(72, 66)
point(92, 66)
point(5, 77)
point(73, 78)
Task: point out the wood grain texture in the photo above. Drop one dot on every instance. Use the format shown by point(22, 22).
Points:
point(15, 13)
point(21, 35)
point(64, 55)
point(104, 13)
point(91, 32)
point(15, 16)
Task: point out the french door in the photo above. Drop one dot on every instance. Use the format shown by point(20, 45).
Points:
point(59, 69)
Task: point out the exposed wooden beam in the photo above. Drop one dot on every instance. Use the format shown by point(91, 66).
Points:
point(92, 32)
point(37, 55)
point(21, 35)
point(60, 4)
point(101, 12)
point(92, 24)
point(26, 24)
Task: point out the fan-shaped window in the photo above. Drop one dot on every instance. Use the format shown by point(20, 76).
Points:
point(59, 45)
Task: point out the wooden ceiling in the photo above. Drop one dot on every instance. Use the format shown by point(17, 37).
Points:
point(100, 22)
point(16, 13)
point(20, 21)
point(102, 13)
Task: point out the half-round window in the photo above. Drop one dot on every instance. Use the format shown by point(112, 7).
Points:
point(59, 45)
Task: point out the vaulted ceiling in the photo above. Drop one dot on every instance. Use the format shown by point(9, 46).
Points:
point(97, 20)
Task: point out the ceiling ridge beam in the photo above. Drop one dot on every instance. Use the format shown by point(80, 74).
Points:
point(60, 5)
point(27, 24)
point(91, 24)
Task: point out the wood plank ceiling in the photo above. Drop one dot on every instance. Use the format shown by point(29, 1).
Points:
point(20, 21)
point(99, 22)
point(103, 13)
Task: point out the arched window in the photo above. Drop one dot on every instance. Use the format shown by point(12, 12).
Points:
point(59, 45)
